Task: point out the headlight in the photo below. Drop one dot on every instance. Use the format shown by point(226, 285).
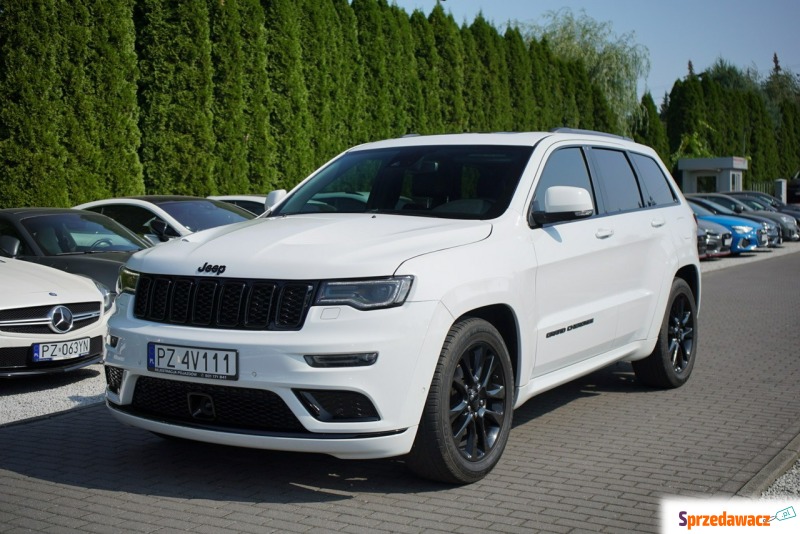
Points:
point(126, 283)
point(108, 298)
point(742, 229)
point(365, 294)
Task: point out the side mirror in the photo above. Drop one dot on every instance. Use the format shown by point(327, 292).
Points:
point(273, 197)
point(562, 203)
point(162, 230)
point(9, 246)
point(738, 209)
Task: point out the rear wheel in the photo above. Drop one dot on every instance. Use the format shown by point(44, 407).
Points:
point(467, 417)
point(672, 360)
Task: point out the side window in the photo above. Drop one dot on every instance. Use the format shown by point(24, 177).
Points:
point(135, 218)
point(8, 229)
point(565, 166)
point(655, 186)
point(621, 190)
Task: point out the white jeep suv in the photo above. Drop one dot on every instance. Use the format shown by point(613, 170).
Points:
point(407, 296)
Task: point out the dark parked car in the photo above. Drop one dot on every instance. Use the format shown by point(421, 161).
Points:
point(793, 191)
point(76, 241)
point(775, 203)
point(718, 239)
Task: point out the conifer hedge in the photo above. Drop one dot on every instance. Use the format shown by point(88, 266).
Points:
point(103, 98)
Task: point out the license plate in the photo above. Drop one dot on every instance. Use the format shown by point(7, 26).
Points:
point(727, 242)
point(200, 362)
point(64, 350)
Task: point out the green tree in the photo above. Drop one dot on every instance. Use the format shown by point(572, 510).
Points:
point(788, 139)
point(427, 115)
point(405, 90)
point(685, 112)
point(349, 71)
point(649, 130)
point(176, 96)
point(379, 120)
point(31, 123)
point(546, 86)
point(227, 54)
point(114, 74)
point(474, 93)
point(491, 57)
point(81, 172)
point(519, 66)
point(614, 62)
point(450, 48)
point(291, 120)
point(325, 71)
point(258, 100)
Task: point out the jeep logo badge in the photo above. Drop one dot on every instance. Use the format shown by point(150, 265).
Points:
point(216, 269)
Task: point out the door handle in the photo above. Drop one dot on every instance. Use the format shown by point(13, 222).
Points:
point(603, 233)
point(657, 223)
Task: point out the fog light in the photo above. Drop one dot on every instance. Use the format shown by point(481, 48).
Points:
point(341, 360)
point(113, 341)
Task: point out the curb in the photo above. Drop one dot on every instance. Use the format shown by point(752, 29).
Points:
point(780, 464)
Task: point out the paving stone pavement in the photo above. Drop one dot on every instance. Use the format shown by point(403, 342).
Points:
point(593, 455)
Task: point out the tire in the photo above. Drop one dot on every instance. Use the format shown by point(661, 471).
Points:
point(671, 362)
point(466, 420)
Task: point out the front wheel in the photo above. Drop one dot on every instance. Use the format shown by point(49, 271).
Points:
point(467, 416)
point(672, 360)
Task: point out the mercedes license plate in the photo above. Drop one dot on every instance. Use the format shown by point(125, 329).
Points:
point(64, 350)
point(201, 362)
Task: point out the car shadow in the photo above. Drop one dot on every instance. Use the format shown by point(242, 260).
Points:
point(36, 383)
point(88, 448)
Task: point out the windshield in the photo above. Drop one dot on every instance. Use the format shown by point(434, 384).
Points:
point(456, 181)
point(718, 208)
point(81, 232)
point(699, 210)
point(200, 214)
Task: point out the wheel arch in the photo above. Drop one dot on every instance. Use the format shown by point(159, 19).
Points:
point(503, 318)
point(691, 275)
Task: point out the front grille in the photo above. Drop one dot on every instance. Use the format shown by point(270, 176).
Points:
point(25, 319)
point(223, 303)
point(234, 408)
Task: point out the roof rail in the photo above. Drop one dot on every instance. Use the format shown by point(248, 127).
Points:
point(588, 132)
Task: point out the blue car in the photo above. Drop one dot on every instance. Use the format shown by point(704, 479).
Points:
point(745, 233)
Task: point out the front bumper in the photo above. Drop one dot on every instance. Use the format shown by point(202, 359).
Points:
point(279, 401)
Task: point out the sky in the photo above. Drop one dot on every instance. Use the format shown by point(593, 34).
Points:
point(745, 33)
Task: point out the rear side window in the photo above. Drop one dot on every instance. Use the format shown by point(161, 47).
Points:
point(655, 186)
point(621, 190)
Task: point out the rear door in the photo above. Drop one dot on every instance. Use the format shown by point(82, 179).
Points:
point(641, 208)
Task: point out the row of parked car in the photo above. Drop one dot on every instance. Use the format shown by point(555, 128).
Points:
point(43, 249)
point(59, 268)
point(742, 221)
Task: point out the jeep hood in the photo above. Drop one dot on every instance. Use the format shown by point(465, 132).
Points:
point(310, 246)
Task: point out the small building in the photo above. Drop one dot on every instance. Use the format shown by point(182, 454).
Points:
point(711, 175)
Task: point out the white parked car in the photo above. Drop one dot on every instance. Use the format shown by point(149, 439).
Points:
point(513, 264)
point(252, 203)
point(50, 321)
point(159, 218)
